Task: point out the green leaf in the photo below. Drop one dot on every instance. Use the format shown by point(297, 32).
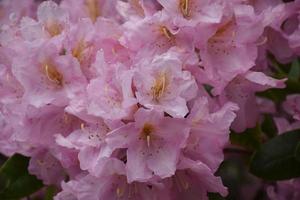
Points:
point(292, 86)
point(275, 160)
point(294, 73)
point(14, 167)
point(215, 196)
point(279, 67)
point(268, 126)
point(18, 182)
point(22, 187)
point(297, 152)
point(50, 192)
point(249, 139)
point(274, 94)
point(278, 95)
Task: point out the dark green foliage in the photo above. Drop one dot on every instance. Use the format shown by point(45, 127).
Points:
point(276, 159)
point(249, 139)
point(17, 181)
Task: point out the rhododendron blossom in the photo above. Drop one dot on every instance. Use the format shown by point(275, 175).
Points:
point(136, 99)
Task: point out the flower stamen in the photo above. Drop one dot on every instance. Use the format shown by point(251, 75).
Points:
point(182, 182)
point(93, 9)
point(53, 28)
point(77, 52)
point(82, 126)
point(184, 8)
point(146, 133)
point(119, 192)
point(137, 7)
point(166, 32)
point(159, 87)
point(148, 140)
point(53, 75)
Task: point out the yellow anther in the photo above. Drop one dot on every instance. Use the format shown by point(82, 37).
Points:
point(53, 75)
point(263, 41)
point(222, 32)
point(223, 29)
point(53, 28)
point(77, 52)
point(184, 8)
point(186, 185)
point(113, 50)
point(166, 32)
point(147, 129)
point(182, 182)
point(159, 86)
point(82, 126)
point(146, 133)
point(119, 192)
point(66, 118)
point(93, 9)
point(135, 4)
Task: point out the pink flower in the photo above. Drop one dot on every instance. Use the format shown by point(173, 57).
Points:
point(292, 29)
point(154, 33)
point(13, 10)
point(38, 127)
point(112, 184)
point(137, 9)
point(46, 167)
point(192, 12)
point(150, 141)
point(110, 95)
point(285, 189)
point(283, 125)
point(92, 9)
point(292, 106)
point(52, 21)
point(79, 42)
point(242, 91)
point(266, 105)
point(163, 85)
point(231, 50)
point(87, 143)
point(10, 89)
point(281, 24)
point(47, 77)
point(193, 180)
point(209, 132)
point(8, 146)
point(135, 99)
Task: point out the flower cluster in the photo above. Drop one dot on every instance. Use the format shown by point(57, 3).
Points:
point(134, 99)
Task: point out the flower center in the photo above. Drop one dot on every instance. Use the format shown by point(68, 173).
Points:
point(137, 6)
point(159, 86)
point(119, 192)
point(53, 74)
point(146, 133)
point(184, 8)
point(181, 182)
point(223, 31)
point(53, 28)
point(166, 32)
point(77, 52)
point(93, 9)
